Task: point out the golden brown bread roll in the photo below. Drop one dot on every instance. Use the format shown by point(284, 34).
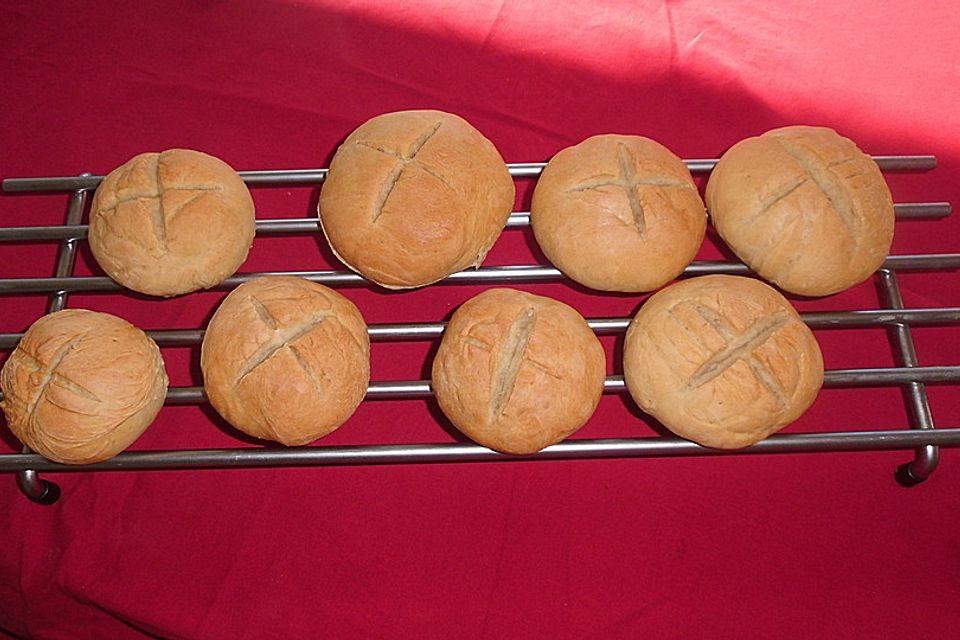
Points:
point(81, 386)
point(517, 372)
point(618, 213)
point(414, 196)
point(171, 223)
point(721, 360)
point(285, 359)
point(804, 208)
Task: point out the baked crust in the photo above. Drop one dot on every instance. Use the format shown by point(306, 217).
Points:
point(618, 213)
point(721, 360)
point(517, 372)
point(285, 359)
point(82, 386)
point(804, 208)
point(414, 196)
point(170, 223)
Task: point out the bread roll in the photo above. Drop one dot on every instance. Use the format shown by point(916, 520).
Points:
point(414, 196)
point(285, 359)
point(171, 223)
point(82, 386)
point(721, 360)
point(517, 372)
point(804, 208)
point(618, 213)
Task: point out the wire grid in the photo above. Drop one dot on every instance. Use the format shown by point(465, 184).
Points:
point(923, 438)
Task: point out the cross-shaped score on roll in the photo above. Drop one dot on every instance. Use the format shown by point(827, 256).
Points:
point(283, 338)
point(737, 347)
point(632, 185)
point(823, 176)
point(50, 375)
point(403, 162)
point(511, 356)
point(163, 214)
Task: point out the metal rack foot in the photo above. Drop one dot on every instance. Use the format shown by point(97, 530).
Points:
point(36, 489)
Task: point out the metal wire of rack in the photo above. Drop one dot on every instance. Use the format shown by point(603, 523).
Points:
point(922, 437)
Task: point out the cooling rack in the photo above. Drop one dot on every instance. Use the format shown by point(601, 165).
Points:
point(921, 437)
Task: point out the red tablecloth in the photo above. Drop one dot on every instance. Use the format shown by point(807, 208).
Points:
point(745, 546)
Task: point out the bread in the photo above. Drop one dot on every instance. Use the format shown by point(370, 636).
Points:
point(170, 223)
point(81, 386)
point(618, 213)
point(414, 196)
point(721, 360)
point(285, 359)
point(804, 208)
point(517, 372)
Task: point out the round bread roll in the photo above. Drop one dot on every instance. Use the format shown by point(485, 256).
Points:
point(414, 196)
point(804, 208)
point(285, 359)
point(618, 213)
point(81, 386)
point(518, 372)
point(171, 223)
point(721, 360)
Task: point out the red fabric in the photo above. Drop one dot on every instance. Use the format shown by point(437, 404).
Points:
point(743, 546)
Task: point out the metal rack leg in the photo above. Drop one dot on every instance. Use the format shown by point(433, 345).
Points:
point(31, 485)
point(925, 458)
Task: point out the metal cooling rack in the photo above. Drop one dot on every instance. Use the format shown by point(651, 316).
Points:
point(922, 437)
